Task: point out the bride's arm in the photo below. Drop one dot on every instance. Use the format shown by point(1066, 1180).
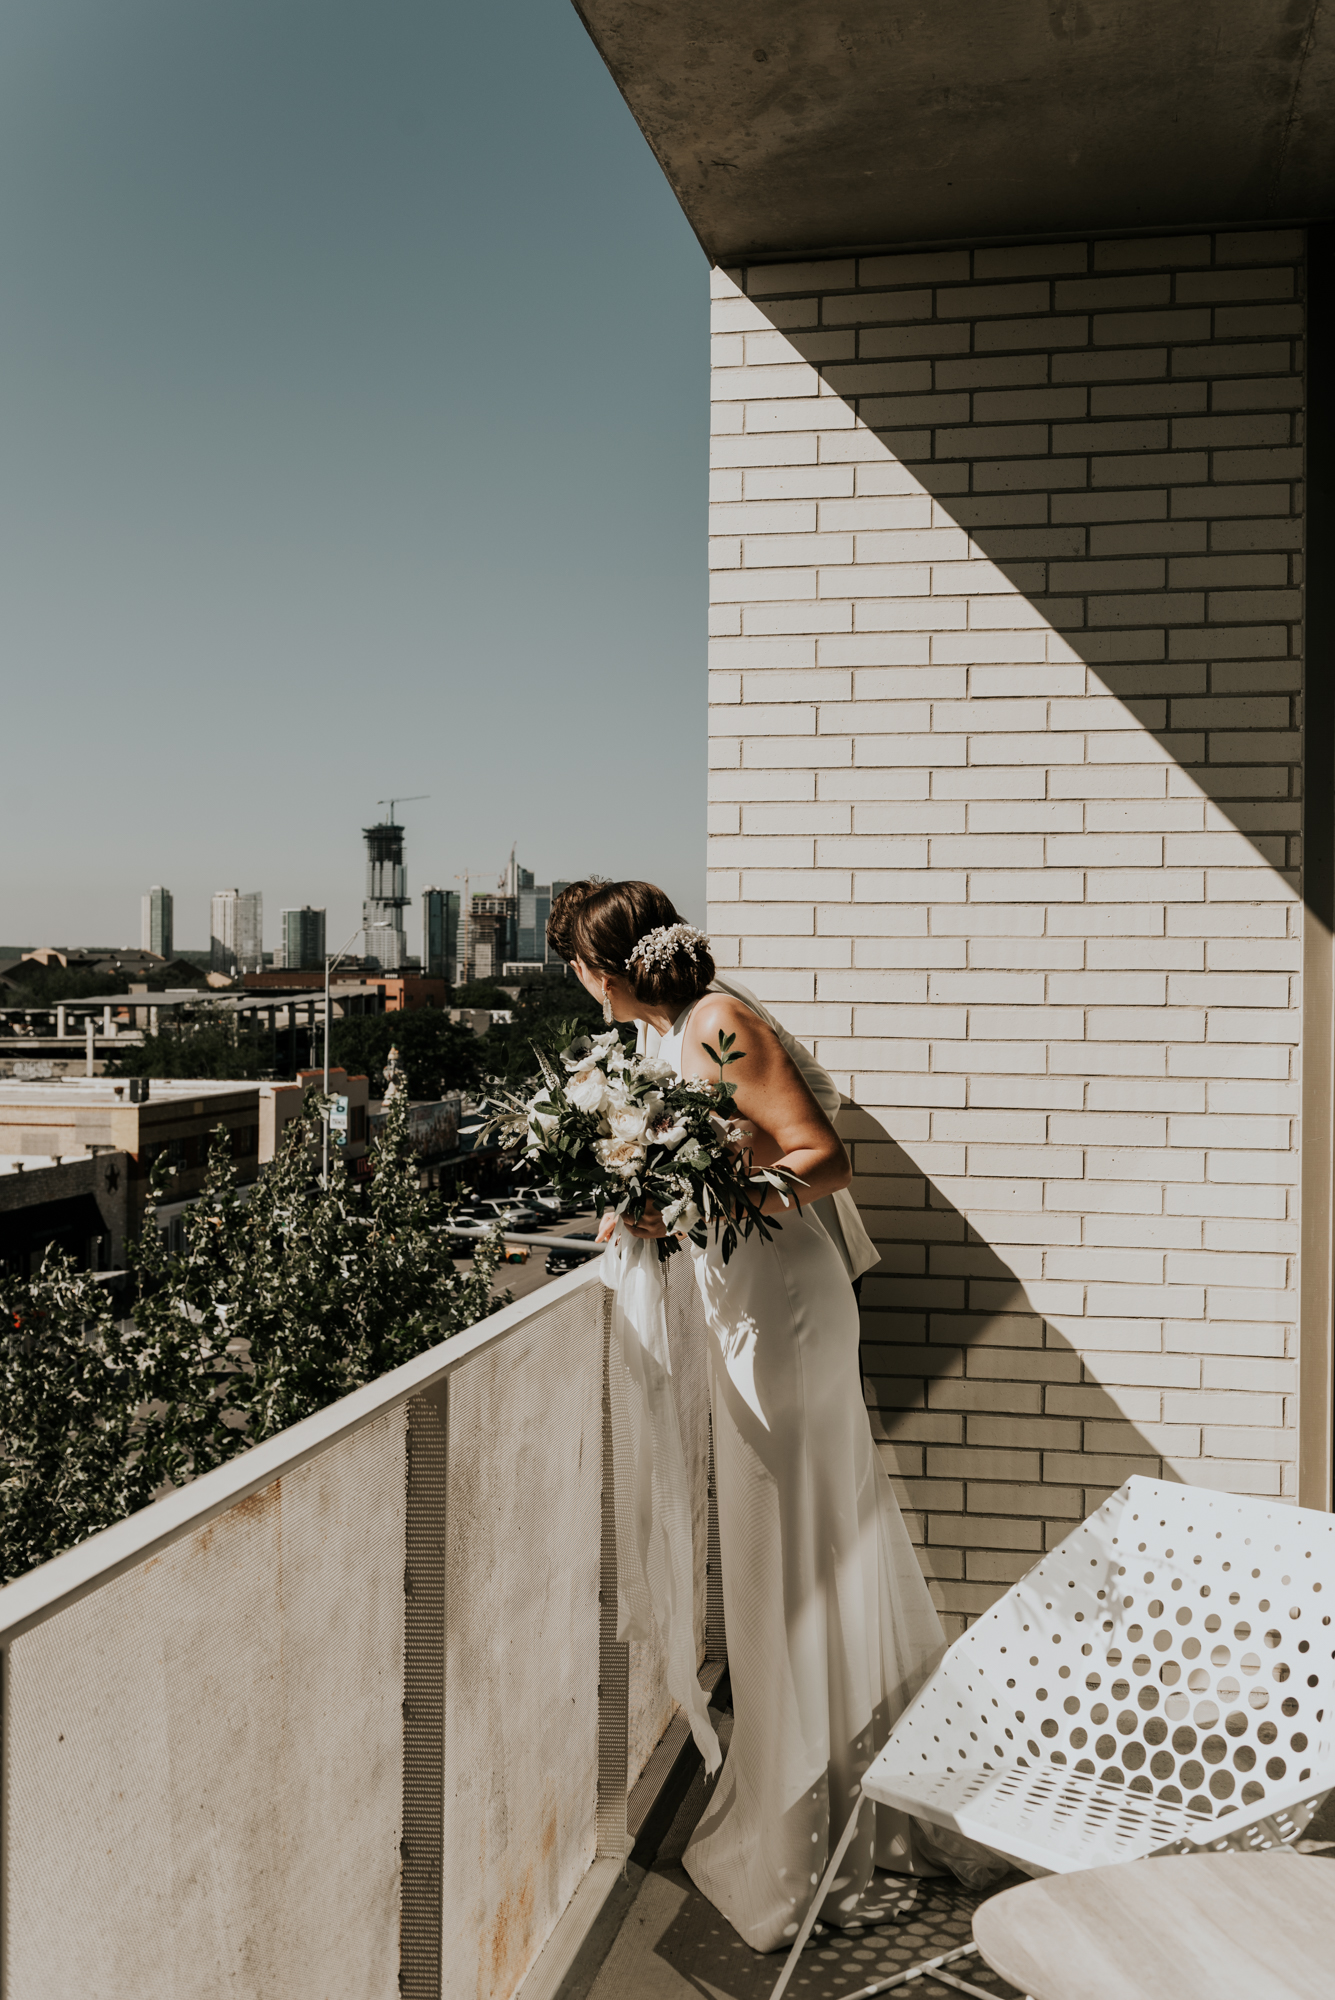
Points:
point(791, 1131)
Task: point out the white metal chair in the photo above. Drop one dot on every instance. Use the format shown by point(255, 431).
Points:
point(1160, 1683)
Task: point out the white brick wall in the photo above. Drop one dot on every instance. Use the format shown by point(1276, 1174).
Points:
point(1005, 796)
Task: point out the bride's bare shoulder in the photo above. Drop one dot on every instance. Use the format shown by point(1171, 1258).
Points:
point(716, 1006)
point(719, 1014)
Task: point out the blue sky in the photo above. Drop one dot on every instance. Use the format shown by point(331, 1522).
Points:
point(353, 429)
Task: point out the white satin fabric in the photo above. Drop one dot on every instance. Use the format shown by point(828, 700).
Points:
point(829, 1623)
point(650, 1487)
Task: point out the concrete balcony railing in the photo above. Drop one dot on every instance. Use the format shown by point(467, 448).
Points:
point(346, 1717)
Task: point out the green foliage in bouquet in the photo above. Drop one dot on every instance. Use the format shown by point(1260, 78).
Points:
point(277, 1306)
point(613, 1129)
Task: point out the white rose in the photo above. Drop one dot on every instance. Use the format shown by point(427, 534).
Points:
point(681, 1218)
point(621, 1156)
point(655, 1070)
point(587, 1090)
point(627, 1121)
point(542, 1121)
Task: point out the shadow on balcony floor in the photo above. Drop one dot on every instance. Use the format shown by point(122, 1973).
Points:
point(672, 1943)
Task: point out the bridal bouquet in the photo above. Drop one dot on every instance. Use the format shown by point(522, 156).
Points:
point(613, 1129)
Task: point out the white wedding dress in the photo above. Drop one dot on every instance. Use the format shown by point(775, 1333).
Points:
point(830, 1626)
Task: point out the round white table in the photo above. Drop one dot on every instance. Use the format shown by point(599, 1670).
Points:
point(1186, 1927)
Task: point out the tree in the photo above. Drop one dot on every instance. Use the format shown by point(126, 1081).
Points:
point(480, 993)
point(276, 1307)
point(538, 1009)
point(212, 1044)
point(37, 985)
point(436, 1055)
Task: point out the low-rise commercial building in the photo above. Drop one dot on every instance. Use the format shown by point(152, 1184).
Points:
point(356, 992)
point(79, 1206)
point(76, 1155)
point(349, 1131)
point(81, 1116)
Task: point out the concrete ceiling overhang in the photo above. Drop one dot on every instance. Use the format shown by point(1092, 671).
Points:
point(792, 125)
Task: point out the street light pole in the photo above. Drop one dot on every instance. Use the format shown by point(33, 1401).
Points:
point(329, 964)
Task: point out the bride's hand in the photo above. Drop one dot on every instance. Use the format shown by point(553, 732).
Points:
point(650, 1226)
point(606, 1227)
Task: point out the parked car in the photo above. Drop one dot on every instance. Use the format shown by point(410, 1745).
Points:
point(527, 1221)
point(471, 1217)
point(570, 1260)
point(516, 1216)
point(546, 1198)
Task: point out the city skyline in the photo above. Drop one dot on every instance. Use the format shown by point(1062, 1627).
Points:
point(331, 439)
point(483, 882)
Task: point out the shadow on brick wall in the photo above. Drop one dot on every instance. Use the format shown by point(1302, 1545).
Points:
point(1132, 475)
point(1044, 534)
point(997, 1434)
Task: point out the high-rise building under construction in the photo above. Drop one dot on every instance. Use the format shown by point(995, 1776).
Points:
point(383, 937)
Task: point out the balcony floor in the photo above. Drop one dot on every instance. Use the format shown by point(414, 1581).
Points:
point(673, 1945)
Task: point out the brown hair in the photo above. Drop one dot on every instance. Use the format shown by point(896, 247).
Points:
point(601, 922)
point(560, 923)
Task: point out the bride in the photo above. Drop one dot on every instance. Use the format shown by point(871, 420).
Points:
point(830, 1626)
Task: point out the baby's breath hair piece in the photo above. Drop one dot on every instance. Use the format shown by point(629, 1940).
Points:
point(660, 947)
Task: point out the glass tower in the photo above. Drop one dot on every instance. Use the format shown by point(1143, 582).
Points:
point(156, 921)
point(440, 934)
point(236, 931)
point(303, 939)
point(535, 906)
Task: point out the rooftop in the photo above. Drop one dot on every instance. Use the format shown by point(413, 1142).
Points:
point(170, 996)
point(81, 1093)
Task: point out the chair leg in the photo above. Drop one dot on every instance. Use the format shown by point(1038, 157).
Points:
point(809, 1920)
point(929, 1969)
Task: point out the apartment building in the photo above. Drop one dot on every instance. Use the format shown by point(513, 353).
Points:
point(1020, 800)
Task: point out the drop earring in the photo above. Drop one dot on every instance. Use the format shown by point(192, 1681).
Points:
point(608, 1015)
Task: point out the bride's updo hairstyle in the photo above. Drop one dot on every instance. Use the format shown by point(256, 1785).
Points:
point(603, 923)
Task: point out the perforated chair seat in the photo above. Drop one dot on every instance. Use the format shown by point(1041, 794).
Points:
point(1159, 1683)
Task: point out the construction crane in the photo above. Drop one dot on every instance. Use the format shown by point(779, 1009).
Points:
point(410, 800)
